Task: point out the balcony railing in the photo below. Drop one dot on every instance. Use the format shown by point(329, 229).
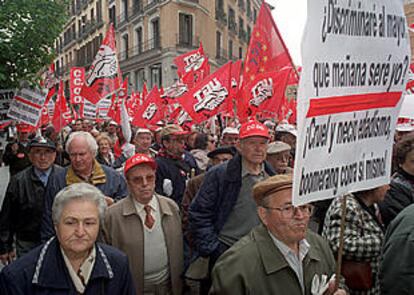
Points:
point(222, 56)
point(89, 27)
point(182, 40)
point(136, 9)
point(152, 44)
point(232, 26)
point(221, 16)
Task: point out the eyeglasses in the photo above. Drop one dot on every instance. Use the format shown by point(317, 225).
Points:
point(289, 211)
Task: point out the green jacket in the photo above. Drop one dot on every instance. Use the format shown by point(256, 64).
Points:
point(254, 265)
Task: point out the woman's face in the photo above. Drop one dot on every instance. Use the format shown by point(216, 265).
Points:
point(408, 165)
point(104, 147)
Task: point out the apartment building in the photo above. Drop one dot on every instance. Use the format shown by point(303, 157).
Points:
point(151, 33)
point(409, 13)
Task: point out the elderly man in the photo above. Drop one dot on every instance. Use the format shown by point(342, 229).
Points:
point(280, 256)
point(229, 137)
point(175, 166)
point(82, 149)
point(21, 212)
point(72, 262)
point(143, 141)
point(278, 155)
point(155, 249)
point(223, 210)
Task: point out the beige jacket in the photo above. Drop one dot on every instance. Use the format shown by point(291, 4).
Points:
point(123, 229)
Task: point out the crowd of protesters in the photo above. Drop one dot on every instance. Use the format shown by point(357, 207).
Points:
point(206, 211)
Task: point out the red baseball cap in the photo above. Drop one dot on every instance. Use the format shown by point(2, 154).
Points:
point(253, 128)
point(139, 159)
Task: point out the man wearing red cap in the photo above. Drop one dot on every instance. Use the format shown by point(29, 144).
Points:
point(224, 209)
point(147, 227)
point(16, 152)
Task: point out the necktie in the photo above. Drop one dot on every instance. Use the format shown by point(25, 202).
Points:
point(149, 219)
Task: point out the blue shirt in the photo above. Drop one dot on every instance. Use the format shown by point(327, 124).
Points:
point(43, 175)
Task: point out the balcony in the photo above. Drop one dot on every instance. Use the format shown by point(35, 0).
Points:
point(243, 36)
point(141, 49)
point(222, 56)
point(89, 27)
point(122, 19)
point(136, 10)
point(189, 42)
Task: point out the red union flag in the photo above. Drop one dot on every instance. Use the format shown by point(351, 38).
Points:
point(287, 109)
point(62, 114)
point(264, 94)
point(191, 61)
point(267, 51)
point(101, 79)
point(50, 77)
point(77, 76)
point(209, 97)
point(151, 111)
point(115, 108)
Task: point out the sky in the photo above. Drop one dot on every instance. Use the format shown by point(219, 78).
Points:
point(290, 18)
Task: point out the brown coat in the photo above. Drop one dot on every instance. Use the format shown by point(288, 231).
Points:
point(123, 229)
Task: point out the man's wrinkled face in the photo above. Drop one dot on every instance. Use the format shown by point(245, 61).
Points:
point(253, 149)
point(286, 223)
point(175, 145)
point(279, 161)
point(81, 156)
point(142, 142)
point(221, 158)
point(42, 158)
point(141, 183)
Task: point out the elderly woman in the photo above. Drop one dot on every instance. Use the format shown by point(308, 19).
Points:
point(72, 262)
point(105, 155)
point(363, 237)
point(401, 192)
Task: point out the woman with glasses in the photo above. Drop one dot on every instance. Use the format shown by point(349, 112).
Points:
point(363, 236)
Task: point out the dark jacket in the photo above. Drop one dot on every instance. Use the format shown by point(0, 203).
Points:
point(17, 162)
point(399, 196)
point(116, 164)
point(114, 187)
point(178, 172)
point(396, 271)
point(21, 212)
point(43, 271)
point(214, 202)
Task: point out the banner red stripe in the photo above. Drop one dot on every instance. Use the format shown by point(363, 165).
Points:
point(25, 101)
point(352, 103)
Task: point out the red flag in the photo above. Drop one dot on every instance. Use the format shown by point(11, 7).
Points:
point(234, 87)
point(62, 114)
point(263, 94)
point(288, 106)
point(117, 99)
point(209, 97)
point(76, 81)
point(193, 77)
point(151, 111)
point(190, 61)
point(267, 51)
point(101, 79)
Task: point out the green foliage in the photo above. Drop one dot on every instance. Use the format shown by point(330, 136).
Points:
point(28, 29)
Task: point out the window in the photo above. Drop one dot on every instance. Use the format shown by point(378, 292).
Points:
point(138, 34)
point(185, 29)
point(156, 75)
point(241, 28)
point(92, 14)
point(139, 79)
point(124, 11)
point(249, 33)
point(230, 49)
point(240, 52)
point(155, 25)
point(112, 14)
point(232, 20)
point(218, 44)
point(125, 47)
point(99, 10)
point(254, 15)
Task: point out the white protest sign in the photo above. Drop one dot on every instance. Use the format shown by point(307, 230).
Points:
point(6, 96)
point(89, 110)
point(356, 55)
point(103, 107)
point(27, 106)
point(407, 108)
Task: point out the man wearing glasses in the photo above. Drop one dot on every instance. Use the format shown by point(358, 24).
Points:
point(280, 256)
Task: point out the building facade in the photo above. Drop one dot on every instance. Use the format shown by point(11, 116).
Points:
point(409, 13)
point(151, 33)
